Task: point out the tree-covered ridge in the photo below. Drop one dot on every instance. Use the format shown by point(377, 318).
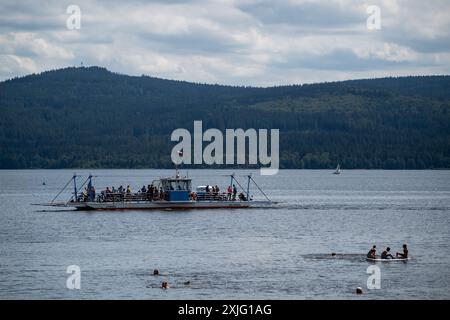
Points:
point(90, 117)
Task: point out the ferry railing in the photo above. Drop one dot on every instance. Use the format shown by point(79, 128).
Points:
point(142, 196)
point(126, 197)
point(214, 196)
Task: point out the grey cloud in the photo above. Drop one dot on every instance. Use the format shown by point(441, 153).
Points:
point(308, 14)
point(199, 42)
point(249, 43)
point(439, 44)
point(341, 60)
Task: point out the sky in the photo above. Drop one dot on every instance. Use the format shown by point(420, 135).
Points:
point(248, 42)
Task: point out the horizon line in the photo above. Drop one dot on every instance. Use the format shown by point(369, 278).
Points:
point(218, 84)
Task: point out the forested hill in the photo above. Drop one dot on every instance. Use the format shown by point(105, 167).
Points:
point(93, 118)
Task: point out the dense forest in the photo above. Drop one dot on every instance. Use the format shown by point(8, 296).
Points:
point(93, 118)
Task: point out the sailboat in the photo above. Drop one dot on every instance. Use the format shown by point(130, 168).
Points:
point(338, 169)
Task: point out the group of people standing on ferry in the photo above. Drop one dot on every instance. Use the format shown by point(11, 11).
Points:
point(230, 194)
point(150, 192)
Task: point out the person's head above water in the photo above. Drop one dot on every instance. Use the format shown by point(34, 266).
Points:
point(388, 249)
point(374, 246)
point(405, 246)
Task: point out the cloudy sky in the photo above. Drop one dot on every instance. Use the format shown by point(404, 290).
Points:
point(248, 42)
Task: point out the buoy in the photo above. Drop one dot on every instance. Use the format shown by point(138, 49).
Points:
point(156, 272)
point(359, 290)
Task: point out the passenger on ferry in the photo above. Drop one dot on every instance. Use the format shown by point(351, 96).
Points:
point(143, 189)
point(234, 192)
point(84, 194)
point(128, 189)
point(113, 189)
point(150, 192)
point(121, 189)
point(91, 194)
point(217, 191)
point(229, 192)
point(107, 190)
point(242, 197)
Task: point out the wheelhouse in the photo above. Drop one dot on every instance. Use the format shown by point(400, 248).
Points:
point(176, 189)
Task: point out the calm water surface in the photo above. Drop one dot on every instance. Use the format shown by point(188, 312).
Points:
point(275, 253)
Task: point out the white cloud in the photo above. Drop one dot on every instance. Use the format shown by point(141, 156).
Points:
point(12, 65)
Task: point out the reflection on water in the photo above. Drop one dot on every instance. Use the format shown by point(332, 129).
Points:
point(354, 257)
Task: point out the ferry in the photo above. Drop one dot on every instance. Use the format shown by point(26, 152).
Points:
point(169, 193)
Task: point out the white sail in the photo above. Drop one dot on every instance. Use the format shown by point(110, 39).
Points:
point(338, 169)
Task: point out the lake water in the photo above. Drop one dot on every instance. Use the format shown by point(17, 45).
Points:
point(276, 253)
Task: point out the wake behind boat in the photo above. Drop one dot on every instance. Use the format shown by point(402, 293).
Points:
point(164, 193)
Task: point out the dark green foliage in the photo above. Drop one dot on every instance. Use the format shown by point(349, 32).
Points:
point(90, 117)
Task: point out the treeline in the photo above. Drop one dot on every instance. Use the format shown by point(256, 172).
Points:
point(93, 118)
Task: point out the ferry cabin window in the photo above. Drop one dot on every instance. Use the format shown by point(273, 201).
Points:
point(178, 185)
